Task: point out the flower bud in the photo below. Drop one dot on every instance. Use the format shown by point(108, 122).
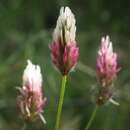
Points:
point(30, 100)
point(64, 51)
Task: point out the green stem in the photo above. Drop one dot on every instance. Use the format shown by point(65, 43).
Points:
point(92, 118)
point(62, 92)
point(24, 126)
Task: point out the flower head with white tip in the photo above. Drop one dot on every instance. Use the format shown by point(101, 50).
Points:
point(30, 100)
point(106, 61)
point(64, 51)
point(106, 68)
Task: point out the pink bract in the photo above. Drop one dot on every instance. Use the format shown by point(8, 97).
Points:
point(64, 57)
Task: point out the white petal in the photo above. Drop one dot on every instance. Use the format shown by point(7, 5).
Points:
point(65, 20)
point(32, 75)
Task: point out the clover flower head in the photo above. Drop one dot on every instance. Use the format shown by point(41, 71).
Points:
point(30, 99)
point(64, 51)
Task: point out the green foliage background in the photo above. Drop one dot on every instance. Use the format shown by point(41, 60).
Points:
point(25, 32)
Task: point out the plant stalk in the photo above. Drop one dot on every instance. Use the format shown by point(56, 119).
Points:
point(92, 118)
point(60, 104)
point(24, 126)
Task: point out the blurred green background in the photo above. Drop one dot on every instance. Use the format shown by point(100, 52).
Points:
point(26, 28)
